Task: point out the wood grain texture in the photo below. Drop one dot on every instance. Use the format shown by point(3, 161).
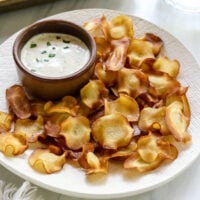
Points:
point(7, 5)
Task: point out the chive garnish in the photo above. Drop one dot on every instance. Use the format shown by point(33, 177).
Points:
point(33, 45)
point(48, 43)
point(51, 55)
point(65, 47)
point(43, 52)
point(66, 41)
point(58, 37)
point(37, 60)
point(45, 60)
point(53, 48)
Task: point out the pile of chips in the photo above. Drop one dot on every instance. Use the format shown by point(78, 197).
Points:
point(133, 109)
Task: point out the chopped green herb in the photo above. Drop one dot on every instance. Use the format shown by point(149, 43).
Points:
point(48, 43)
point(53, 48)
point(43, 52)
point(33, 45)
point(46, 60)
point(65, 47)
point(51, 55)
point(58, 37)
point(37, 60)
point(66, 41)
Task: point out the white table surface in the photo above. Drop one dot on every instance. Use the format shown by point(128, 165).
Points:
point(184, 26)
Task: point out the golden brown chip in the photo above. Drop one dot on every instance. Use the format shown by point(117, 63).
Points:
point(121, 26)
point(162, 84)
point(132, 82)
point(18, 102)
point(155, 41)
point(117, 57)
point(125, 105)
point(5, 121)
point(151, 146)
point(37, 107)
point(177, 122)
point(11, 145)
point(112, 131)
point(29, 129)
point(183, 99)
point(51, 129)
point(166, 65)
point(97, 164)
point(124, 152)
point(43, 161)
point(99, 28)
point(136, 162)
point(68, 105)
point(103, 48)
point(82, 159)
point(92, 93)
point(153, 118)
point(138, 51)
point(108, 77)
point(76, 131)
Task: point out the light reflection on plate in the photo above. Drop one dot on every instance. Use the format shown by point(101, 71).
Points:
point(119, 182)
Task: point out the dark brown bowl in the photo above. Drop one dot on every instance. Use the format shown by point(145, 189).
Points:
point(49, 88)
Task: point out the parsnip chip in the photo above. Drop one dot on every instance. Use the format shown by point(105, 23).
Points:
point(18, 102)
point(92, 93)
point(37, 108)
point(125, 105)
point(51, 129)
point(138, 51)
point(30, 129)
point(136, 162)
point(5, 122)
point(121, 26)
point(76, 131)
point(151, 146)
point(108, 77)
point(162, 84)
point(90, 162)
point(82, 159)
point(68, 104)
point(124, 152)
point(132, 82)
point(97, 164)
point(11, 145)
point(103, 48)
point(177, 122)
point(156, 42)
point(43, 161)
point(166, 65)
point(117, 57)
point(58, 118)
point(183, 99)
point(149, 116)
point(112, 131)
point(99, 28)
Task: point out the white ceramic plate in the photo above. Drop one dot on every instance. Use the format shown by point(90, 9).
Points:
point(119, 182)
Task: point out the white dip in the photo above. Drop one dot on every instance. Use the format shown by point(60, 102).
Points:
point(54, 55)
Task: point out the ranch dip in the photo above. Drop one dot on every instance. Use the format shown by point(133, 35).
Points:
point(54, 54)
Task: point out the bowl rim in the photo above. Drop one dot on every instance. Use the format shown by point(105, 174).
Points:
point(38, 25)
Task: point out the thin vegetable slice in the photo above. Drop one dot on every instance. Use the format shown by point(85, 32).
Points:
point(18, 102)
point(76, 131)
point(43, 161)
point(112, 131)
